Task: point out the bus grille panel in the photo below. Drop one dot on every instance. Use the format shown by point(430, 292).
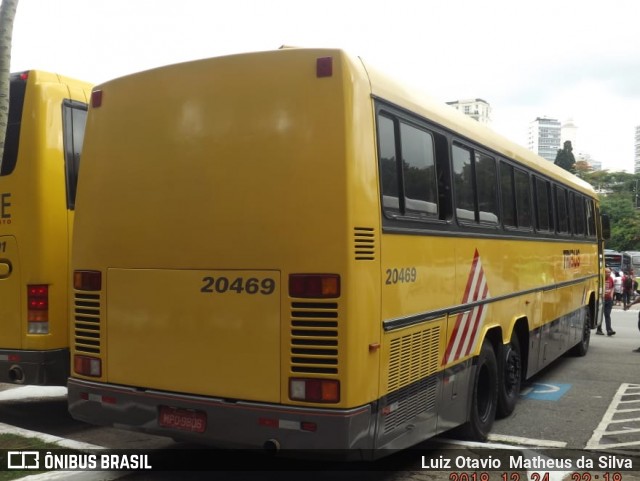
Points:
point(87, 323)
point(314, 337)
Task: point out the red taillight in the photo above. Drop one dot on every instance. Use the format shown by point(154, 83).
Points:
point(24, 76)
point(87, 280)
point(314, 390)
point(324, 67)
point(316, 286)
point(87, 366)
point(96, 98)
point(38, 309)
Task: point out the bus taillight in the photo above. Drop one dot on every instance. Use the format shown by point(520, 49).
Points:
point(314, 286)
point(38, 309)
point(87, 366)
point(314, 390)
point(87, 280)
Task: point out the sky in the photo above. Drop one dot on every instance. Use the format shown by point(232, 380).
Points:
point(564, 59)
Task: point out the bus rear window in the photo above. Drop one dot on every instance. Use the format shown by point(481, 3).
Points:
point(12, 139)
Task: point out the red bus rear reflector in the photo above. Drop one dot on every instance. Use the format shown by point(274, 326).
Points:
point(96, 98)
point(324, 67)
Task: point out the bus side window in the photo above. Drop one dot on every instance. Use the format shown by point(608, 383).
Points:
point(544, 217)
point(523, 198)
point(418, 172)
point(508, 195)
point(74, 119)
point(388, 168)
point(562, 213)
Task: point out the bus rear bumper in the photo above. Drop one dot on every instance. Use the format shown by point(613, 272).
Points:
point(224, 423)
point(44, 368)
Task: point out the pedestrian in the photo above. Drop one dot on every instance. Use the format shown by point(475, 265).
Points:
point(627, 288)
point(617, 283)
point(608, 303)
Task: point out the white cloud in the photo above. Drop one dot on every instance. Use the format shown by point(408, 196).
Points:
point(546, 57)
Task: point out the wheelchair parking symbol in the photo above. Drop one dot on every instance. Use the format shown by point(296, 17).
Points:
point(544, 392)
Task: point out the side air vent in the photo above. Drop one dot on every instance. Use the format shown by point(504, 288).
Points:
point(413, 357)
point(314, 337)
point(412, 384)
point(86, 328)
point(364, 243)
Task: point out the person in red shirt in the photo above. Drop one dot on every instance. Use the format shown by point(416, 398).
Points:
point(608, 303)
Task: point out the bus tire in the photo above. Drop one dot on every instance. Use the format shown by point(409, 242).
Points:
point(510, 378)
point(582, 347)
point(484, 395)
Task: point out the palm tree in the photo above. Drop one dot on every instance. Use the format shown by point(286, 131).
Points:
point(7, 15)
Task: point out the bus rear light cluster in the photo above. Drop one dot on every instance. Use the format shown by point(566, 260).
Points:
point(314, 390)
point(314, 286)
point(37, 309)
point(87, 366)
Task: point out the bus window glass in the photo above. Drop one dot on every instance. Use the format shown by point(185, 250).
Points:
point(508, 201)
point(523, 198)
point(579, 214)
point(562, 212)
point(388, 168)
point(419, 174)
point(12, 138)
point(74, 121)
point(591, 221)
point(542, 204)
point(463, 183)
point(486, 186)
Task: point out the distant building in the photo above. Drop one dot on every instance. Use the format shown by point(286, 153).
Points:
point(544, 137)
point(636, 164)
point(477, 109)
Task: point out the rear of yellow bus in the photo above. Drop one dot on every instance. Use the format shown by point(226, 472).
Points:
point(37, 185)
point(226, 207)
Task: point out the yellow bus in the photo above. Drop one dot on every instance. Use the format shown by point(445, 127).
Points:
point(254, 266)
point(38, 175)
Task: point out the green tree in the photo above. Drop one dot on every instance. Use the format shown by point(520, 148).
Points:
point(565, 158)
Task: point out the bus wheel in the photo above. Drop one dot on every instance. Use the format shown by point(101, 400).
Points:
point(510, 378)
point(484, 395)
point(582, 347)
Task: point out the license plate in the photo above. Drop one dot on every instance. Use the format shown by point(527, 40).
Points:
point(182, 419)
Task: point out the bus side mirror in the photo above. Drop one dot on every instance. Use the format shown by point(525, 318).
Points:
point(606, 227)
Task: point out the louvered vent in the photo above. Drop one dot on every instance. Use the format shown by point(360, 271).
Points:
point(412, 385)
point(413, 357)
point(364, 243)
point(314, 337)
point(87, 323)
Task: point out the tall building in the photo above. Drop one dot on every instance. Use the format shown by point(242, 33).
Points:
point(636, 164)
point(544, 137)
point(477, 109)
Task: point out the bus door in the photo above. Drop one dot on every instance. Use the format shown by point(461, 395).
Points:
point(10, 334)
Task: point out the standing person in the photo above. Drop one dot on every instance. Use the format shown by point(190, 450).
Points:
point(617, 282)
point(608, 303)
point(627, 288)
